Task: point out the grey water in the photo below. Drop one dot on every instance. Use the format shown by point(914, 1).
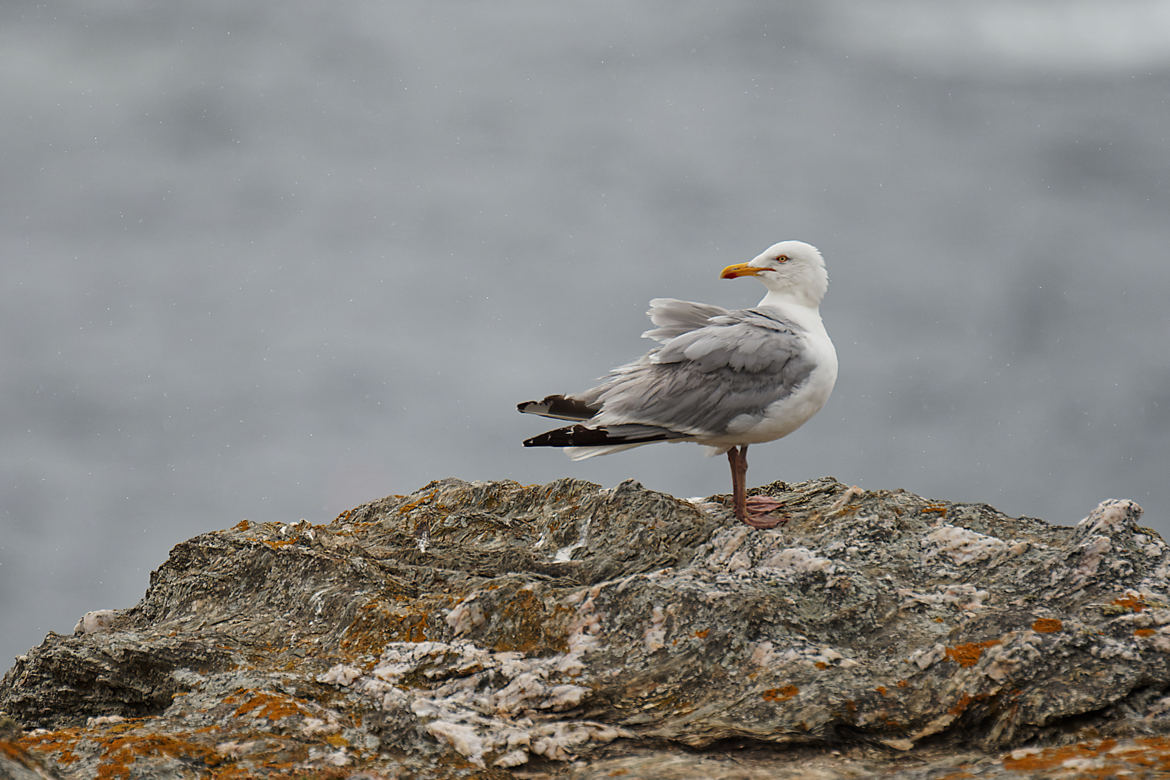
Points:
point(273, 260)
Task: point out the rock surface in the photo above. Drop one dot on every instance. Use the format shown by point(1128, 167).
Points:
point(565, 630)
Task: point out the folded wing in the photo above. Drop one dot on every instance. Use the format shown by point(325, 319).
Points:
point(716, 372)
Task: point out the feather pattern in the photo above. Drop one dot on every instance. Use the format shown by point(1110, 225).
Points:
point(713, 367)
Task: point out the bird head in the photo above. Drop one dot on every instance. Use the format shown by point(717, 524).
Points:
point(791, 268)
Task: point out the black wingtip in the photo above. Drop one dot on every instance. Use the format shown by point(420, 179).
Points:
point(561, 407)
point(582, 436)
point(559, 437)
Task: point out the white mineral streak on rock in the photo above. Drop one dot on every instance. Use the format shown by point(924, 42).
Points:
point(1019, 548)
point(93, 622)
point(962, 545)
point(583, 631)
point(339, 757)
point(316, 727)
point(565, 554)
point(763, 654)
point(933, 726)
point(103, 720)
point(484, 704)
point(393, 699)
point(556, 740)
point(236, 748)
point(564, 697)
point(341, 674)
point(1000, 662)
point(461, 737)
point(466, 616)
point(530, 691)
point(959, 595)
point(830, 655)
point(512, 758)
point(1151, 546)
point(766, 656)
point(737, 550)
point(798, 560)
point(846, 498)
point(741, 561)
point(923, 658)
point(1108, 648)
point(654, 636)
point(1090, 554)
point(188, 678)
point(318, 600)
point(1111, 517)
point(725, 544)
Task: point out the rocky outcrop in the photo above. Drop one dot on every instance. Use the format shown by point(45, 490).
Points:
point(565, 630)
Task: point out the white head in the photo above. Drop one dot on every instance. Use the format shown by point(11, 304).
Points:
point(793, 269)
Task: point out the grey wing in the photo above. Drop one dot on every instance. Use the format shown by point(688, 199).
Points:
point(701, 380)
point(674, 317)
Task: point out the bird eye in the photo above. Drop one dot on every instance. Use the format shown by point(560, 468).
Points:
point(782, 259)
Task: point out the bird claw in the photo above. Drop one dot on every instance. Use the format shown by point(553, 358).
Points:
point(759, 512)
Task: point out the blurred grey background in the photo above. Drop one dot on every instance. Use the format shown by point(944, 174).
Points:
point(273, 260)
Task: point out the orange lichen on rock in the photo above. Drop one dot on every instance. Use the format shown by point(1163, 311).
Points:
point(1108, 757)
point(276, 544)
point(62, 743)
point(1049, 758)
point(961, 705)
point(1047, 625)
point(412, 505)
point(122, 751)
point(968, 654)
point(702, 633)
point(780, 694)
point(534, 627)
point(378, 623)
point(271, 706)
point(1131, 602)
point(1144, 632)
point(938, 508)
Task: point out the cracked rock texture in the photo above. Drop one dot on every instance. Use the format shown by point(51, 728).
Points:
point(565, 630)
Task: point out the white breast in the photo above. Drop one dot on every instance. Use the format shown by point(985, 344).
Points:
point(789, 413)
point(786, 415)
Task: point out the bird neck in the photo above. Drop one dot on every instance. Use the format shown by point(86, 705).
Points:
point(799, 308)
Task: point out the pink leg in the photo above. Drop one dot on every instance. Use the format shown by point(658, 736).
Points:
point(738, 476)
point(755, 511)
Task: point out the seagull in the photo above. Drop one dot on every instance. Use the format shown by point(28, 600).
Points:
point(721, 378)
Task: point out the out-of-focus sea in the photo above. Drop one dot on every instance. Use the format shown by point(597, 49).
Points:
point(273, 260)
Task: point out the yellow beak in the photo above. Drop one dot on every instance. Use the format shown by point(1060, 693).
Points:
point(740, 269)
